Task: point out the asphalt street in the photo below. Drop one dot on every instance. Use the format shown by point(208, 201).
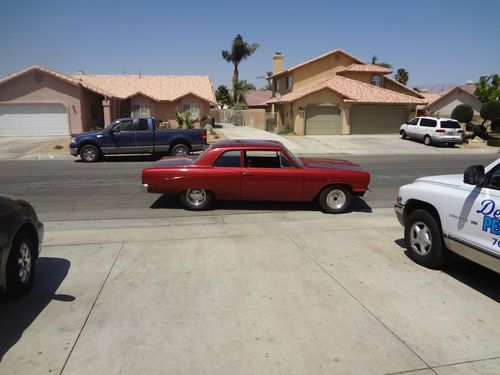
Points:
point(130, 283)
point(71, 190)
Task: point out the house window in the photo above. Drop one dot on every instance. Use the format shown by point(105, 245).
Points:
point(276, 85)
point(140, 110)
point(288, 83)
point(376, 80)
point(194, 109)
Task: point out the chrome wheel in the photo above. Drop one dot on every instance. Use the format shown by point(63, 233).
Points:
point(427, 140)
point(180, 150)
point(196, 197)
point(89, 154)
point(24, 262)
point(420, 238)
point(336, 199)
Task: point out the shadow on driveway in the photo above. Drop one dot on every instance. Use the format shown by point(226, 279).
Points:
point(169, 201)
point(18, 314)
point(473, 275)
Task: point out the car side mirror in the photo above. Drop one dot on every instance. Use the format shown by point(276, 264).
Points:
point(474, 175)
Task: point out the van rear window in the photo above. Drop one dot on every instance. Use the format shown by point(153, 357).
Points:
point(450, 125)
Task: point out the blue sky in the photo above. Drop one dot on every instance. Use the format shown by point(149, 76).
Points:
point(436, 41)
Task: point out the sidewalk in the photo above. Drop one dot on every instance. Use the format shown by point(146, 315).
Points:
point(285, 292)
point(378, 144)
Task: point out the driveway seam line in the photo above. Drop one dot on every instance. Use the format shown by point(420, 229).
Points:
point(359, 302)
point(92, 308)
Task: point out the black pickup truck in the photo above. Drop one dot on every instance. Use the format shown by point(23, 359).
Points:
point(136, 136)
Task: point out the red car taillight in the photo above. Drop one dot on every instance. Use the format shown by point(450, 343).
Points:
point(205, 136)
point(439, 131)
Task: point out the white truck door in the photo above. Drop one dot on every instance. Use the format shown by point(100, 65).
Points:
point(473, 215)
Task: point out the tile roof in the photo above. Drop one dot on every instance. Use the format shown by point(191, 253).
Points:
point(156, 87)
point(257, 97)
point(367, 68)
point(318, 58)
point(159, 87)
point(352, 91)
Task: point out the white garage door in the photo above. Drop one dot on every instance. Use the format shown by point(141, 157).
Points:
point(33, 120)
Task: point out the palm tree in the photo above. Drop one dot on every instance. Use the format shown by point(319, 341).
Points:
point(402, 76)
point(241, 88)
point(240, 50)
point(382, 64)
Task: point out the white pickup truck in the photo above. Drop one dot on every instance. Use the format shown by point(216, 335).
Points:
point(459, 213)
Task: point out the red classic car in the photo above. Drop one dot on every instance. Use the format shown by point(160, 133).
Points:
point(256, 170)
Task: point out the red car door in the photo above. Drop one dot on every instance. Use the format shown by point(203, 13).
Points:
point(269, 175)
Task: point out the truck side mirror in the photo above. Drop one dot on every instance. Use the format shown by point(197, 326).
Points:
point(474, 175)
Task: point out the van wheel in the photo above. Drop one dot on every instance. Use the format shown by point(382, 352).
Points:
point(90, 153)
point(335, 199)
point(427, 140)
point(403, 135)
point(196, 199)
point(21, 266)
point(423, 239)
point(180, 150)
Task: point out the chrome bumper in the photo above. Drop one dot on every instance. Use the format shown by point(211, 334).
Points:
point(399, 209)
point(73, 151)
point(144, 188)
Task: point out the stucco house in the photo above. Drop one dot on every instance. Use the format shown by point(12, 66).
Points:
point(41, 101)
point(445, 104)
point(337, 93)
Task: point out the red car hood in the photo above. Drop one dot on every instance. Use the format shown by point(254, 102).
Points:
point(325, 163)
point(173, 161)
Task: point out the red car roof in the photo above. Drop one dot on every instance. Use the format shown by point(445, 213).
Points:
point(253, 143)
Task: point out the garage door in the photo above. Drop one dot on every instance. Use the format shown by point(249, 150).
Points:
point(33, 119)
point(377, 119)
point(323, 120)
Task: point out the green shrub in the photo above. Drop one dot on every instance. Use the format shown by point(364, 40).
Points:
point(463, 113)
point(495, 142)
point(479, 131)
point(490, 110)
point(495, 125)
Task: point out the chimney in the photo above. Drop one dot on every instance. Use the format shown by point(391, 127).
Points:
point(277, 63)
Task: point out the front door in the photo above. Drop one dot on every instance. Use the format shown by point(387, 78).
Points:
point(269, 175)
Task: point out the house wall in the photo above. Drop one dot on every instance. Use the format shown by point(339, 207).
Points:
point(445, 106)
point(26, 90)
point(390, 85)
point(321, 97)
point(361, 76)
point(322, 68)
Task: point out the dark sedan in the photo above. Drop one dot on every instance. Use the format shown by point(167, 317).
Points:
point(21, 235)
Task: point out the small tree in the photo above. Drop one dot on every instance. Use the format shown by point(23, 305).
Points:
point(463, 113)
point(185, 120)
point(402, 76)
point(223, 95)
point(490, 111)
point(241, 88)
point(488, 88)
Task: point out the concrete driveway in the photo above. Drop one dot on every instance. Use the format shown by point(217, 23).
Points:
point(285, 292)
point(17, 147)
